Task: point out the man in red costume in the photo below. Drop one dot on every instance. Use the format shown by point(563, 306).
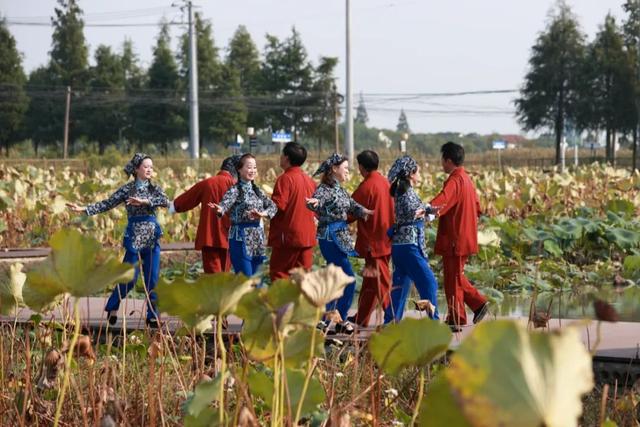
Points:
point(292, 232)
point(212, 237)
point(372, 242)
point(457, 237)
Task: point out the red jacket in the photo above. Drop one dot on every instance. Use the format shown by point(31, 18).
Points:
point(373, 193)
point(460, 208)
point(294, 225)
point(212, 230)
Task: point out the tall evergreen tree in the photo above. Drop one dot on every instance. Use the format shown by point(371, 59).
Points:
point(631, 30)
point(107, 110)
point(403, 124)
point(160, 117)
point(324, 99)
point(232, 115)
point(135, 81)
point(361, 112)
point(611, 84)
point(209, 74)
point(13, 100)
point(69, 52)
point(551, 89)
point(287, 78)
point(244, 57)
point(43, 122)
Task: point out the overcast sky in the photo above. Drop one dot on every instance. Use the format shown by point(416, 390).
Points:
point(399, 47)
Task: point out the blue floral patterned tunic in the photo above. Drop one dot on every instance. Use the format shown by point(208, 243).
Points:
point(334, 205)
point(139, 234)
point(238, 201)
point(408, 230)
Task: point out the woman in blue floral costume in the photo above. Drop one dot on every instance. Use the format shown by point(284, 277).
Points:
point(408, 250)
point(246, 205)
point(332, 205)
point(141, 237)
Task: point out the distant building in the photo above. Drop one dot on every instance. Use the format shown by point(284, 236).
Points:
point(513, 141)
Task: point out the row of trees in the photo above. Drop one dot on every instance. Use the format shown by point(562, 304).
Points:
point(116, 99)
point(573, 84)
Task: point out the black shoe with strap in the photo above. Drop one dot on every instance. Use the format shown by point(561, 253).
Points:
point(112, 318)
point(481, 312)
point(345, 328)
point(153, 323)
point(455, 328)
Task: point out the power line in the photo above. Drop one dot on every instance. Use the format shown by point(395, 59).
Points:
point(142, 24)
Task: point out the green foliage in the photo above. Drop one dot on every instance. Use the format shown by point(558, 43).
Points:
point(12, 79)
point(198, 409)
point(78, 265)
point(412, 342)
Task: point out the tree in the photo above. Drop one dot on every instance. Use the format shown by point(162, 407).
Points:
point(287, 81)
point(232, 115)
point(361, 112)
point(106, 112)
point(244, 57)
point(324, 101)
point(209, 74)
point(43, 121)
point(551, 90)
point(13, 100)
point(610, 85)
point(135, 82)
point(403, 124)
point(160, 117)
point(631, 31)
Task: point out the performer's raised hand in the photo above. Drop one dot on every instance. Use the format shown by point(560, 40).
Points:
point(76, 207)
point(256, 214)
point(136, 201)
point(215, 207)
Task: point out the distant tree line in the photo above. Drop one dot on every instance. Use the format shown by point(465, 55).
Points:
point(573, 84)
point(117, 100)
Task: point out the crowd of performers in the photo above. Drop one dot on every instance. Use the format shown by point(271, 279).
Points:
point(390, 220)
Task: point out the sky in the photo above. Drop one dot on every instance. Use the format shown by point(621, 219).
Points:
point(410, 54)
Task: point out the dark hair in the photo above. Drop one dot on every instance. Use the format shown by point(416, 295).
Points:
point(453, 152)
point(401, 184)
point(239, 166)
point(326, 176)
point(368, 159)
point(296, 153)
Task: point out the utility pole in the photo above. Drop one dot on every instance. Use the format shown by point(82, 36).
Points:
point(194, 125)
point(65, 147)
point(349, 115)
point(336, 118)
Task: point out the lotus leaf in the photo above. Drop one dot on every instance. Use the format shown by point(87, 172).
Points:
point(503, 374)
point(11, 289)
point(78, 265)
point(412, 342)
point(324, 285)
point(210, 294)
point(624, 239)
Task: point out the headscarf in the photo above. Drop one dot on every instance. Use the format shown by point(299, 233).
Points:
point(333, 160)
point(134, 163)
point(402, 168)
point(230, 163)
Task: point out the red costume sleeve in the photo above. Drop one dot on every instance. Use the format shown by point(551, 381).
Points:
point(448, 197)
point(281, 192)
point(190, 198)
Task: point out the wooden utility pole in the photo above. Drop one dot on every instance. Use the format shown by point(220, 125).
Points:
point(66, 124)
point(336, 118)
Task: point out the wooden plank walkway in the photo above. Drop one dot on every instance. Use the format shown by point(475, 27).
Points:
point(7, 254)
point(619, 340)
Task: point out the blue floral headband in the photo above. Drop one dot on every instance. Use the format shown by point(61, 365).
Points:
point(333, 160)
point(134, 163)
point(402, 168)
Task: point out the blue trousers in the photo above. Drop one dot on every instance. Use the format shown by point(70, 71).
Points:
point(151, 271)
point(241, 262)
point(409, 265)
point(333, 255)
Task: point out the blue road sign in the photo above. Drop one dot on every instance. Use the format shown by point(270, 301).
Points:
point(281, 137)
point(499, 145)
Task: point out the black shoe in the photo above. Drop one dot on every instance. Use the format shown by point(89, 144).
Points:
point(112, 318)
point(322, 326)
point(152, 323)
point(480, 313)
point(455, 328)
point(345, 328)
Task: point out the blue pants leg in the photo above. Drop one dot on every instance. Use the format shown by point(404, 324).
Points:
point(151, 270)
point(333, 255)
point(242, 263)
point(400, 287)
point(410, 266)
